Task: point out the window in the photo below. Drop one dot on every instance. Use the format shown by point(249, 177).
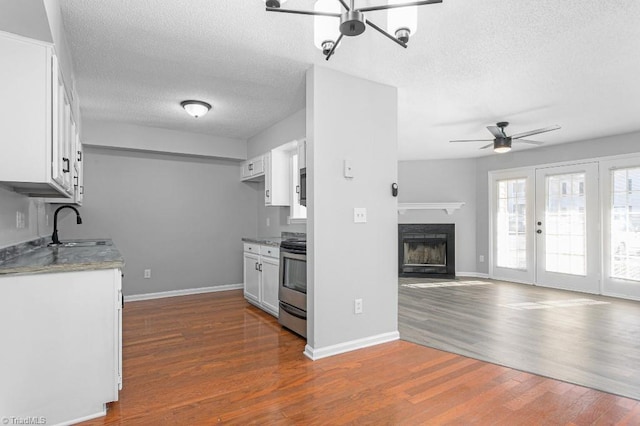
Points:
point(298, 211)
point(512, 224)
point(625, 224)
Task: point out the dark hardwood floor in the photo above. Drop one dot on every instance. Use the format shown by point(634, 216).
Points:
point(214, 359)
point(576, 337)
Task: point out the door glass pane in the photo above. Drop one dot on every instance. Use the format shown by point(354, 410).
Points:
point(625, 224)
point(511, 224)
point(565, 230)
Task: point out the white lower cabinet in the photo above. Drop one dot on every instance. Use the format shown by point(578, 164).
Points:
point(62, 344)
point(261, 276)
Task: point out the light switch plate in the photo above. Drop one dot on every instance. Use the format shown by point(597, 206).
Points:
point(348, 169)
point(359, 215)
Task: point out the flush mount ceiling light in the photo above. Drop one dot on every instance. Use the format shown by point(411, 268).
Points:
point(331, 25)
point(196, 108)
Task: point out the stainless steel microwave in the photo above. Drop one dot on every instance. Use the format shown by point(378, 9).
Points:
point(303, 187)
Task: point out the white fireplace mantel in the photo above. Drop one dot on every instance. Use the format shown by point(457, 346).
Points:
point(450, 208)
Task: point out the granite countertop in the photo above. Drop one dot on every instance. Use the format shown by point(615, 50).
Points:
point(37, 258)
point(264, 241)
point(274, 241)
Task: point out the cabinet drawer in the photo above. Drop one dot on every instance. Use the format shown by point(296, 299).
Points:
point(270, 251)
point(252, 248)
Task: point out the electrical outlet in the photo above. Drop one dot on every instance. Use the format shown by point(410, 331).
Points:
point(147, 273)
point(481, 258)
point(359, 215)
point(357, 306)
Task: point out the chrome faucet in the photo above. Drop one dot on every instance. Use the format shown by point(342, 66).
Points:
point(54, 237)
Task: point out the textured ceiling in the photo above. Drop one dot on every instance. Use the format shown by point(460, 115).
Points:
point(574, 63)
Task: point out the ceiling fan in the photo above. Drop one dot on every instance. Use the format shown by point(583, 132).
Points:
point(502, 142)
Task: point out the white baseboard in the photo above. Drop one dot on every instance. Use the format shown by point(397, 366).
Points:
point(472, 274)
point(101, 413)
point(185, 292)
point(318, 353)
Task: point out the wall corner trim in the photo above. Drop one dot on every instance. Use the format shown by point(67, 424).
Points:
point(318, 353)
point(185, 292)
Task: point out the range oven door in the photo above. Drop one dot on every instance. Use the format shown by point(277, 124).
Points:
point(293, 279)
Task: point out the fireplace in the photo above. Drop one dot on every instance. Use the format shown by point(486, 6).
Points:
point(426, 250)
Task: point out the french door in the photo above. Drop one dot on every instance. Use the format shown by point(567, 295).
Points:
point(545, 227)
point(567, 223)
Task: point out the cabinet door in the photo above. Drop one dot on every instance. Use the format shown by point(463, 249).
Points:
point(59, 126)
point(270, 280)
point(79, 173)
point(302, 154)
point(268, 181)
point(251, 276)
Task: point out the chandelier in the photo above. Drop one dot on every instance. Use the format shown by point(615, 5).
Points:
point(402, 20)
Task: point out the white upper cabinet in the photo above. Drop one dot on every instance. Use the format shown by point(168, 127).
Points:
point(302, 154)
point(277, 184)
point(252, 169)
point(36, 125)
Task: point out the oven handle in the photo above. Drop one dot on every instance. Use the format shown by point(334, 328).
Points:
point(299, 313)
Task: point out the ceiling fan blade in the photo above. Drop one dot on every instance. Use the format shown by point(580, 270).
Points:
point(394, 6)
point(487, 146)
point(535, 132)
point(471, 140)
point(496, 131)
point(302, 12)
point(531, 142)
point(386, 34)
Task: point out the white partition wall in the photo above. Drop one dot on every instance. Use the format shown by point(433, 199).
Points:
point(354, 120)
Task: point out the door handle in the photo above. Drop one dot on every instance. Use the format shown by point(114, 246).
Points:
point(539, 231)
point(68, 168)
point(297, 189)
point(257, 266)
point(260, 267)
point(267, 193)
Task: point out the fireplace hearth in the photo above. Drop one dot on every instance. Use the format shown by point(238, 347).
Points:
point(426, 250)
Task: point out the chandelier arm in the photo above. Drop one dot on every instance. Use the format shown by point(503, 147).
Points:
point(335, 46)
point(395, 6)
point(303, 12)
point(344, 5)
point(386, 34)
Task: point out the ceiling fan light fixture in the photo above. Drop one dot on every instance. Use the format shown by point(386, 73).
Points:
point(402, 21)
point(502, 146)
point(326, 30)
point(196, 108)
point(403, 34)
point(274, 3)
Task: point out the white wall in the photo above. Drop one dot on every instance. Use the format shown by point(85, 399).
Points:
point(602, 147)
point(443, 181)
point(286, 130)
point(27, 18)
point(350, 118)
point(182, 217)
point(152, 139)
